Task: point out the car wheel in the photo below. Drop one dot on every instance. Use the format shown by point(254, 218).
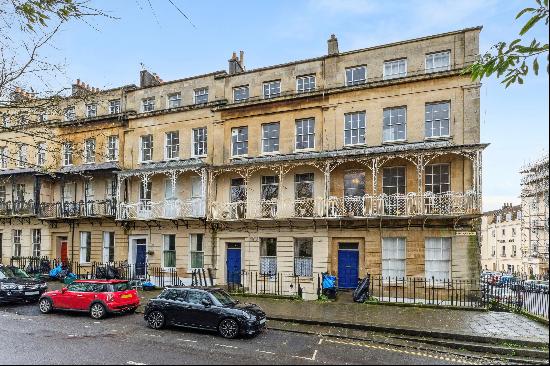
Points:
point(228, 328)
point(45, 305)
point(97, 311)
point(156, 319)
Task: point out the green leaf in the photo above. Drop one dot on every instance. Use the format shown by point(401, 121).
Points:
point(530, 23)
point(524, 11)
point(536, 66)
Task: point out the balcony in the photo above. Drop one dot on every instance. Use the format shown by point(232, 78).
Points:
point(103, 208)
point(412, 204)
point(17, 208)
point(169, 209)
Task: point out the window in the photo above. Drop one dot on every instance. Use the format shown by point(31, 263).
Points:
point(174, 100)
point(114, 106)
point(493, 234)
point(85, 246)
point(438, 258)
point(240, 93)
point(43, 117)
point(508, 216)
point(36, 242)
point(145, 195)
point(196, 251)
point(393, 258)
point(238, 190)
point(393, 186)
point(514, 250)
point(239, 138)
point(70, 114)
point(270, 137)
point(112, 148)
point(503, 253)
point(272, 89)
point(41, 154)
point(89, 151)
point(110, 189)
point(3, 157)
point(503, 232)
point(305, 83)
point(437, 178)
point(305, 133)
point(67, 154)
point(200, 141)
point(268, 256)
point(22, 156)
point(108, 246)
point(395, 124)
point(269, 194)
point(172, 146)
point(16, 239)
point(440, 61)
point(356, 75)
point(91, 110)
point(437, 119)
point(303, 257)
point(201, 95)
point(146, 148)
point(148, 104)
point(498, 218)
point(354, 128)
point(169, 251)
point(513, 231)
point(493, 251)
point(395, 69)
point(2, 194)
point(5, 120)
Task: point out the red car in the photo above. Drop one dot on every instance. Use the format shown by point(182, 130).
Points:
point(98, 297)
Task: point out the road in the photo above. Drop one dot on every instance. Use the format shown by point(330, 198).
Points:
point(33, 338)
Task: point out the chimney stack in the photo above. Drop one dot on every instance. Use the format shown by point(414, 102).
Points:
point(148, 79)
point(236, 64)
point(332, 45)
point(81, 87)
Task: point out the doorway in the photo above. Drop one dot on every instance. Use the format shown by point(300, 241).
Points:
point(233, 263)
point(348, 265)
point(137, 254)
point(62, 249)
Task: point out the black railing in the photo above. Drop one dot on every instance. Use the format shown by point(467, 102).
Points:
point(77, 209)
point(254, 282)
point(9, 208)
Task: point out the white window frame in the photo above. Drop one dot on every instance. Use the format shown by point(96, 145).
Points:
point(91, 110)
point(309, 79)
point(306, 259)
point(142, 149)
point(440, 121)
point(199, 93)
point(197, 144)
point(89, 151)
point(270, 139)
point(22, 156)
point(390, 132)
point(114, 106)
point(193, 249)
point(85, 247)
point(359, 136)
point(4, 157)
point(269, 84)
point(69, 114)
point(148, 104)
point(165, 241)
point(353, 69)
point(391, 64)
point(305, 137)
point(429, 272)
point(239, 88)
point(433, 56)
point(235, 132)
point(394, 258)
point(112, 148)
point(36, 237)
point(68, 154)
point(16, 235)
point(108, 244)
point(171, 145)
point(268, 258)
point(41, 154)
point(173, 100)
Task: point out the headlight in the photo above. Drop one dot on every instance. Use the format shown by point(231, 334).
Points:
point(8, 286)
point(247, 315)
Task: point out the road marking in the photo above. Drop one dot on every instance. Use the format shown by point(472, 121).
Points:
point(187, 340)
point(396, 350)
point(320, 341)
point(312, 358)
point(135, 363)
point(269, 353)
point(225, 345)
point(314, 355)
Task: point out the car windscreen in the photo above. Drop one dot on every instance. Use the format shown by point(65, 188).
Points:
point(20, 273)
point(5, 273)
point(223, 297)
point(121, 286)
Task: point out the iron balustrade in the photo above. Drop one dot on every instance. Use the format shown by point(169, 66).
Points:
point(169, 209)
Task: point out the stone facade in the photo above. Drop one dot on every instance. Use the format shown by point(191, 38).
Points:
point(355, 180)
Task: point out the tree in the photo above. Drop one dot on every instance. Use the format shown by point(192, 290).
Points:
point(510, 60)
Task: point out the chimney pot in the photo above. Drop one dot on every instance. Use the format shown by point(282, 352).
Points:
point(332, 45)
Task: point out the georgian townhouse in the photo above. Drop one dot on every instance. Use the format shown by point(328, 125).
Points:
point(356, 162)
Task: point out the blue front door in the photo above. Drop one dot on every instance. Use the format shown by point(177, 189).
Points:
point(234, 264)
point(141, 257)
point(348, 268)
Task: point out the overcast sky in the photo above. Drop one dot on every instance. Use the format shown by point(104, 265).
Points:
point(108, 53)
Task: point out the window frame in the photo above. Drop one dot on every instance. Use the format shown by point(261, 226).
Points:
point(399, 74)
point(426, 184)
point(22, 155)
point(169, 250)
point(114, 147)
point(309, 136)
point(197, 93)
point(85, 245)
point(437, 69)
point(91, 110)
point(170, 100)
point(41, 148)
point(89, 151)
point(238, 88)
point(398, 255)
point(142, 148)
point(353, 69)
point(244, 142)
point(172, 151)
point(195, 142)
point(69, 114)
point(432, 120)
point(364, 128)
point(114, 106)
point(303, 78)
point(148, 104)
point(390, 110)
point(448, 240)
point(264, 242)
point(269, 83)
point(196, 251)
point(297, 258)
point(17, 247)
point(270, 139)
point(108, 246)
point(68, 154)
point(4, 152)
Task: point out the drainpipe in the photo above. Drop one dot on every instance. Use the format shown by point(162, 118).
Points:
point(72, 241)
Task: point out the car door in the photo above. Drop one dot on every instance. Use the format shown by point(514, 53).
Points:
point(198, 315)
point(68, 299)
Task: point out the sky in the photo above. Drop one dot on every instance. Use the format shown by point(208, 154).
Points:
point(108, 52)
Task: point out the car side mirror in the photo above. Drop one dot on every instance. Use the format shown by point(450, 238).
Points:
point(63, 290)
point(206, 302)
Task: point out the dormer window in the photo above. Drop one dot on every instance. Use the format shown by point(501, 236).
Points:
point(272, 89)
point(174, 100)
point(356, 75)
point(148, 104)
point(70, 114)
point(91, 110)
point(201, 95)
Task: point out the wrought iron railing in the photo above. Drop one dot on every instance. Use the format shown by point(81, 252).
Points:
point(17, 208)
point(77, 209)
point(169, 209)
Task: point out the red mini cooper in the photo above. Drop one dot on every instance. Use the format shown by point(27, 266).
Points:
point(98, 297)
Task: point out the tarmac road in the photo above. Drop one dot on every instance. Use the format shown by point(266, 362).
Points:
point(28, 337)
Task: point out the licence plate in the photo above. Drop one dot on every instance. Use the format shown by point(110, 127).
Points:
point(32, 293)
point(262, 321)
point(128, 296)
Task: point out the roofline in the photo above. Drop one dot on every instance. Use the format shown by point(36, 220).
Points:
point(214, 73)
